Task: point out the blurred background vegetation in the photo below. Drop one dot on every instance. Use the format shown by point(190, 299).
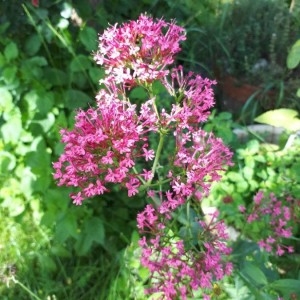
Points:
point(49, 248)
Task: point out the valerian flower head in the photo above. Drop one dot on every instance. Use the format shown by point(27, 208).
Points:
point(139, 51)
point(177, 269)
point(102, 148)
point(275, 215)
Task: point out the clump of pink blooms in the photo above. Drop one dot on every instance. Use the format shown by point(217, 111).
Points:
point(276, 217)
point(110, 141)
point(178, 267)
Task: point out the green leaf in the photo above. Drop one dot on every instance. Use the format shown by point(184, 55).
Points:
point(45, 102)
point(80, 63)
point(295, 171)
point(95, 229)
point(138, 93)
point(298, 93)
point(293, 58)
point(88, 37)
point(33, 44)
point(96, 74)
point(9, 74)
point(75, 99)
point(282, 117)
point(11, 130)
point(37, 61)
point(46, 263)
point(14, 205)
point(6, 103)
point(39, 162)
point(93, 232)
point(7, 162)
point(55, 76)
point(45, 123)
point(234, 176)
point(2, 60)
point(287, 287)
point(254, 274)
point(11, 51)
point(248, 172)
point(66, 228)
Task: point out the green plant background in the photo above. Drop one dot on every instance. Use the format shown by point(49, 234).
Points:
point(49, 248)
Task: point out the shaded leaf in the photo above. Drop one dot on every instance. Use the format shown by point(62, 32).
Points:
point(254, 274)
point(287, 287)
point(76, 99)
point(80, 63)
point(11, 51)
point(33, 44)
point(88, 37)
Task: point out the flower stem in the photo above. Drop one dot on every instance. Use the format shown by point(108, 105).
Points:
point(25, 288)
point(157, 155)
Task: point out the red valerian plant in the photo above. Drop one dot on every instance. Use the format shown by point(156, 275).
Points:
point(111, 141)
point(276, 218)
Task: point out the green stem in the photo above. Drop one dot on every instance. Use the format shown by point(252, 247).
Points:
point(157, 155)
point(25, 288)
point(138, 176)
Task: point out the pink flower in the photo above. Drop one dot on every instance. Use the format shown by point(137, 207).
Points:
point(102, 148)
point(276, 216)
point(35, 3)
point(175, 270)
point(139, 51)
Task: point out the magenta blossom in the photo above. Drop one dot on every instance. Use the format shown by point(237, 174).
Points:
point(102, 149)
point(276, 216)
point(139, 51)
point(177, 268)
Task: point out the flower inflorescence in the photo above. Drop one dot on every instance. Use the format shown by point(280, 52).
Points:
point(110, 142)
point(276, 216)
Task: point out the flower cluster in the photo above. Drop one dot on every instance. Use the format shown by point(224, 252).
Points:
point(103, 148)
point(276, 218)
point(139, 51)
point(110, 143)
point(180, 266)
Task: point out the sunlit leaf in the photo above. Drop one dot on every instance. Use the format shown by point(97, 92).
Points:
point(6, 103)
point(282, 117)
point(293, 58)
point(7, 162)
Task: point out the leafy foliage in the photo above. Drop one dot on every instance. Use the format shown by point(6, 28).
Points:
point(55, 250)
